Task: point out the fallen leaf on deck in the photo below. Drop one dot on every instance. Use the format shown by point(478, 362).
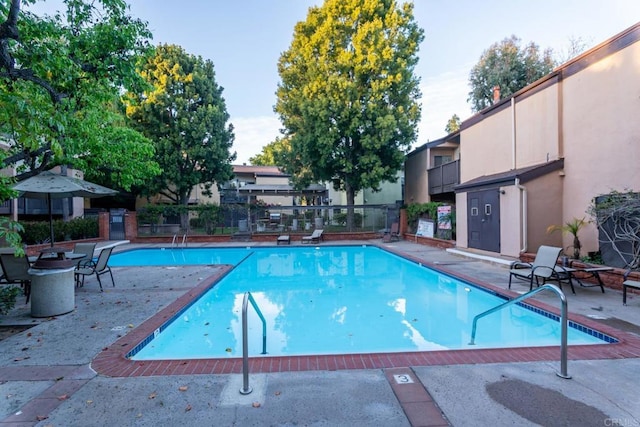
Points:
point(256, 404)
point(183, 388)
point(63, 397)
point(188, 408)
point(153, 395)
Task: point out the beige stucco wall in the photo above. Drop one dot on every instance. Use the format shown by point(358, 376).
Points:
point(485, 148)
point(461, 221)
point(416, 189)
point(601, 135)
point(274, 200)
point(544, 208)
point(510, 221)
point(589, 117)
point(536, 136)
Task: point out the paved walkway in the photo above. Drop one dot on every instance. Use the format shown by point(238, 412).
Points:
point(47, 376)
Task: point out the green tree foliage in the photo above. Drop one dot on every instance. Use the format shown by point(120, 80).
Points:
point(453, 125)
point(508, 66)
point(60, 81)
point(184, 114)
point(348, 97)
point(272, 153)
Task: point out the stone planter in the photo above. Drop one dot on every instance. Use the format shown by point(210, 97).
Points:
point(52, 291)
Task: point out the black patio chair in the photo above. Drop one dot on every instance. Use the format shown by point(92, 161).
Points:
point(88, 267)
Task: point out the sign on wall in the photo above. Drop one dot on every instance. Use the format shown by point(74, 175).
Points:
point(425, 228)
point(444, 217)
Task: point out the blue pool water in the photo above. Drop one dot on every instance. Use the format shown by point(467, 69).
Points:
point(336, 300)
point(182, 256)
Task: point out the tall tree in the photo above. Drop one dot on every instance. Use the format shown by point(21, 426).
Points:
point(60, 82)
point(271, 154)
point(348, 97)
point(184, 114)
point(510, 67)
point(453, 125)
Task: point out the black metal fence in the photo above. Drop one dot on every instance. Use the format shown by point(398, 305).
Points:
point(232, 218)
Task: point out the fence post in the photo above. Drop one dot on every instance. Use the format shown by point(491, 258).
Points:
point(131, 225)
point(103, 225)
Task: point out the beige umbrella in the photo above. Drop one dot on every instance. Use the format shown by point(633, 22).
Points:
point(48, 185)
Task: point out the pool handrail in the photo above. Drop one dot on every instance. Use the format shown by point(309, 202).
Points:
point(245, 340)
point(563, 322)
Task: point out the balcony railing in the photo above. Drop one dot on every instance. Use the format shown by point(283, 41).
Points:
point(443, 178)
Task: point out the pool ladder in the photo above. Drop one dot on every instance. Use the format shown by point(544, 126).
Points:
point(563, 322)
point(248, 298)
point(184, 240)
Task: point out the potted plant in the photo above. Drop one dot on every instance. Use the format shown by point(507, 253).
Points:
point(572, 227)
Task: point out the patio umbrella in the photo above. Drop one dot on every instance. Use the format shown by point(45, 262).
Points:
point(48, 185)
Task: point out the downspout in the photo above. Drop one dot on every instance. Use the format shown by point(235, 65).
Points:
point(513, 132)
point(523, 197)
point(523, 189)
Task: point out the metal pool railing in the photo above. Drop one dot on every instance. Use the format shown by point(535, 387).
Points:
point(563, 322)
point(245, 340)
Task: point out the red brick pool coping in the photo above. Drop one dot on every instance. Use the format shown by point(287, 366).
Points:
point(112, 360)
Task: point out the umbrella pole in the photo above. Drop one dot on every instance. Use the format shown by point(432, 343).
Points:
point(50, 217)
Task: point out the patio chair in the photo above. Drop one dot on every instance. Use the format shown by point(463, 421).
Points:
point(544, 267)
point(393, 234)
point(628, 284)
point(89, 267)
point(86, 249)
point(315, 237)
point(16, 270)
point(283, 239)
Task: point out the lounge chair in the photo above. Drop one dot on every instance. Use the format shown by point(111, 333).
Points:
point(628, 284)
point(16, 270)
point(392, 234)
point(85, 249)
point(544, 267)
point(283, 239)
point(88, 267)
point(315, 237)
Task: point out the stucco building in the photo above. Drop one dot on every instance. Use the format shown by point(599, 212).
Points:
point(540, 157)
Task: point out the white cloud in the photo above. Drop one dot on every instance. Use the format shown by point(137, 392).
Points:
point(253, 133)
point(443, 96)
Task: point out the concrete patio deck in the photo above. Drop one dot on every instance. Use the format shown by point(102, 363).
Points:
point(48, 377)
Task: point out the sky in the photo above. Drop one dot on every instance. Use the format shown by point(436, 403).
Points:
point(244, 40)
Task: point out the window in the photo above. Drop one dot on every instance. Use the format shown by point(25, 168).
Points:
point(440, 160)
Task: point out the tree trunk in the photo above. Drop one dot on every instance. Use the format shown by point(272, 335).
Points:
point(184, 215)
point(576, 247)
point(351, 197)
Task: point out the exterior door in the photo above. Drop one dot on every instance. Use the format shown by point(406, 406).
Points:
point(483, 213)
point(116, 224)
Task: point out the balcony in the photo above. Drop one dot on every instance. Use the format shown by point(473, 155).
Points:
point(443, 178)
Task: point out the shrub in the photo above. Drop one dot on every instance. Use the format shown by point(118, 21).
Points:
point(8, 295)
point(38, 232)
point(417, 210)
point(341, 219)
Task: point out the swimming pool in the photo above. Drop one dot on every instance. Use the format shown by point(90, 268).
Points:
point(339, 300)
